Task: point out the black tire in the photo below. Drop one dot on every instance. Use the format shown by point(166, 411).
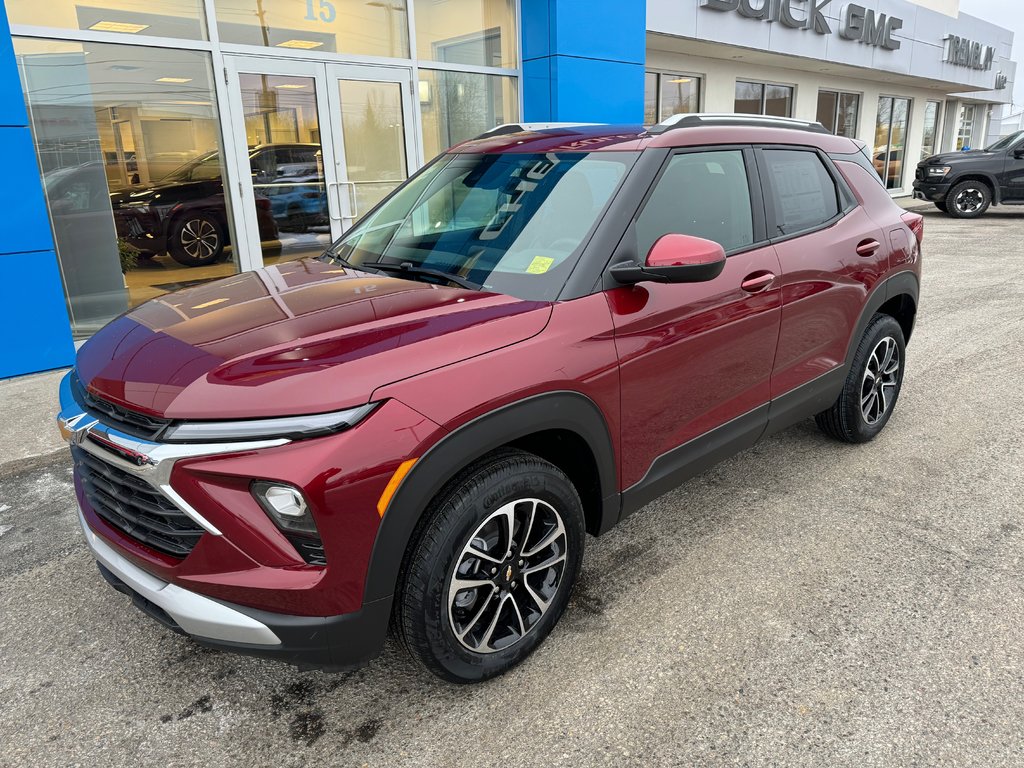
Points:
point(968, 199)
point(941, 205)
point(196, 239)
point(429, 606)
point(854, 417)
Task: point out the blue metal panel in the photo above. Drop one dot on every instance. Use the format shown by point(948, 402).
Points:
point(38, 336)
point(12, 106)
point(583, 60)
point(23, 216)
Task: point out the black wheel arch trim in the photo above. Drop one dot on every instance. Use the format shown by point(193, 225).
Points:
point(562, 410)
point(901, 284)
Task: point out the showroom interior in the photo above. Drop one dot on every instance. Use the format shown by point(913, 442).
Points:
point(162, 144)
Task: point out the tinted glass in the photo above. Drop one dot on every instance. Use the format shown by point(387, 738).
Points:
point(680, 95)
point(479, 32)
point(805, 193)
point(705, 194)
point(828, 101)
point(931, 119)
point(513, 223)
point(749, 98)
point(778, 100)
point(456, 106)
point(324, 26)
point(156, 18)
point(848, 115)
point(650, 98)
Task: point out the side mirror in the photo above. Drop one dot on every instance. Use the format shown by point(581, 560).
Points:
point(675, 259)
point(1018, 152)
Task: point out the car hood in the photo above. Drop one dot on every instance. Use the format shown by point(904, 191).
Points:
point(954, 157)
point(301, 337)
point(149, 194)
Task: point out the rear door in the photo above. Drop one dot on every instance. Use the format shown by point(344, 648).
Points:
point(696, 356)
point(831, 253)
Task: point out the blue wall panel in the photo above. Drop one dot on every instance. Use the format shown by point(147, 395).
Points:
point(38, 334)
point(583, 60)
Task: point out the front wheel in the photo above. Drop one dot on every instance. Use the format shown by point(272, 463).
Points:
point(968, 200)
point(492, 570)
point(872, 385)
point(197, 239)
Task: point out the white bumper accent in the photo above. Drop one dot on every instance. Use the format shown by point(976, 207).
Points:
point(197, 615)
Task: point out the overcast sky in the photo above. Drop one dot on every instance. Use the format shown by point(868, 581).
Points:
point(1005, 13)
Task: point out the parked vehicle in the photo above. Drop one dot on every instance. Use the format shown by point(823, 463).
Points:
point(528, 341)
point(185, 214)
point(965, 184)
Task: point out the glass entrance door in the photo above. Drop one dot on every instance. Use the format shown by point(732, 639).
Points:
point(316, 145)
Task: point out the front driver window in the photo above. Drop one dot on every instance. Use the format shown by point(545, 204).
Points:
point(704, 194)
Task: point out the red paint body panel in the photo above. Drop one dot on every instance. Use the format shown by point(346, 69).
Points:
point(692, 357)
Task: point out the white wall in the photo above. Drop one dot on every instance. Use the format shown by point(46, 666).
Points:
point(719, 86)
point(948, 7)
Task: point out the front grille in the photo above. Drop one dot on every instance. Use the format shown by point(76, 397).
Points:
point(126, 420)
point(135, 507)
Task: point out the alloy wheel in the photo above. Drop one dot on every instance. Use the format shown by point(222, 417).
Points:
point(969, 200)
point(199, 239)
point(881, 377)
point(507, 575)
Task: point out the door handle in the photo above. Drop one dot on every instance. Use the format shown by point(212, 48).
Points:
point(757, 281)
point(331, 209)
point(868, 247)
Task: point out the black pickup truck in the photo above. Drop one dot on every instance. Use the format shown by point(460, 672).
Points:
point(965, 184)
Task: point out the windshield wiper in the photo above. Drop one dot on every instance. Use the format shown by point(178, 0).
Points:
point(412, 269)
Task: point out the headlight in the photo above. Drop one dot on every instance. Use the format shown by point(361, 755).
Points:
point(291, 427)
point(939, 170)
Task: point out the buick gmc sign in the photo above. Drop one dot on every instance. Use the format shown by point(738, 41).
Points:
point(858, 22)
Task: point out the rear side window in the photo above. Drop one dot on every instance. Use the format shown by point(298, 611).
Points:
point(704, 194)
point(805, 192)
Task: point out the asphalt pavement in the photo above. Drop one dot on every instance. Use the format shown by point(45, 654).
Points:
point(805, 603)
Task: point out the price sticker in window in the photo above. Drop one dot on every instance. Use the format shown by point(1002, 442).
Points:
point(540, 265)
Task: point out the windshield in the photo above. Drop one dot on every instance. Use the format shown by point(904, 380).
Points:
point(512, 223)
point(204, 167)
point(1006, 142)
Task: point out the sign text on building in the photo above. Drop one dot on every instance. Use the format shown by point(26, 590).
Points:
point(858, 22)
point(968, 53)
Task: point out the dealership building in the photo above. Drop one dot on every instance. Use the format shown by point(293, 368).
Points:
point(157, 144)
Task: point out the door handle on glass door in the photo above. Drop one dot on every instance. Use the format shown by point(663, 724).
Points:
point(757, 281)
point(330, 197)
point(868, 247)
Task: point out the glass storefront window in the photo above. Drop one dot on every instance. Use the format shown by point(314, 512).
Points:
point(155, 18)
point(891, 125)
point(456, 106)
point(374, 28)
point(667, 94)
point(931, 128)
point(839, 112)
point(128, 143)
point(966, 128)
point(763, 99)
point(479, 32)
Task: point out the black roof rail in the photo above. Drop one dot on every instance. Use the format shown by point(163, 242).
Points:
point(697, 120)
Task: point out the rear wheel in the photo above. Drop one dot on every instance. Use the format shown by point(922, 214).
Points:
point(492, 570)
point(197, 239)
point(968, 199)
point(872, 385)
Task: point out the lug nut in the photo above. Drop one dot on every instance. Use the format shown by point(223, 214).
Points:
point(513, 584)
point(494, 571)
point(520, 563)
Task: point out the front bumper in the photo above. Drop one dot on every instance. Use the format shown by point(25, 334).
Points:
point(331, 643)
point(931, 190)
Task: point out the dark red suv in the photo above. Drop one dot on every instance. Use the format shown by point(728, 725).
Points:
point(536, 335)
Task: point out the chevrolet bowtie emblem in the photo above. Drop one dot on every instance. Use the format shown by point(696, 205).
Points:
point(508, 574)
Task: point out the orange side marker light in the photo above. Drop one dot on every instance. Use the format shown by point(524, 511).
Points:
point(392, 486)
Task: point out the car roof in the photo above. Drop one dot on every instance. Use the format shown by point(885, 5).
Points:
point(707, 130)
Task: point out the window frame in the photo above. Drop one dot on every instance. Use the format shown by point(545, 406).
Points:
point(791, 87)
point(835, 111)
point(845, 199)
point(659, 74)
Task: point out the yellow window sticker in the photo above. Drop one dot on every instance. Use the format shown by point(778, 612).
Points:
point(540, 265)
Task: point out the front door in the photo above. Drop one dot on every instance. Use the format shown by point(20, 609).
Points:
point(313, 146)
point(1012, 181)
point(694, 357)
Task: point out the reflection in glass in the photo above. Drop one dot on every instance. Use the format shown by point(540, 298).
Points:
point(966, 129)
point(891, 126)
point(778, 100)
point(282, 131)
point(828, 102)
point(156, 18)
point(650, 98)
point(480, 32)
point(109, 135)
point(931, 123)
point(680, 94)
point(373, 126)
point(839, 112)
point(457, 106)
point(374, 28)
point(749, 98)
